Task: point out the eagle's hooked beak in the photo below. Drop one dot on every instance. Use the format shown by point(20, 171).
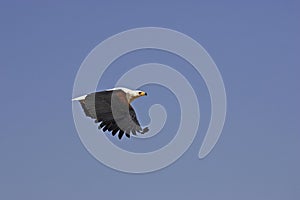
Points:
point(142, 93)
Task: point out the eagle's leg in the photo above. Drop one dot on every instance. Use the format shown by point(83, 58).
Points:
point(145, 130)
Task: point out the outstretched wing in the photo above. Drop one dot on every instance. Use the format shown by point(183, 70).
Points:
point(112, 110)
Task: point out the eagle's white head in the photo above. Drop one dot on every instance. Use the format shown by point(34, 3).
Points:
point(132, 94)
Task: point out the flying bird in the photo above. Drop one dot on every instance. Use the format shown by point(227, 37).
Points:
point(112, 110)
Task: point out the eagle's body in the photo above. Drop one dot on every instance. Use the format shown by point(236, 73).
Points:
point(112, 109)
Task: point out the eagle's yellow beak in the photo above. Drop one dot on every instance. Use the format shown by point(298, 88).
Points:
point(142, 93)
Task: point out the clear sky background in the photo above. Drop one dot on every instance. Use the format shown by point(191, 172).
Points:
point(256, 47)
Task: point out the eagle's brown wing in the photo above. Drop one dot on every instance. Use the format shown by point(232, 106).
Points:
point(112, 110)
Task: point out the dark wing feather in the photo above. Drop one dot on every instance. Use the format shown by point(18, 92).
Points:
point(112, 110)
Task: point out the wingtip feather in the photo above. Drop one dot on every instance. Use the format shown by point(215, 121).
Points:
point(79, 98)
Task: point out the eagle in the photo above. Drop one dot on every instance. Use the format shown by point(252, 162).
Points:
point(112, 110)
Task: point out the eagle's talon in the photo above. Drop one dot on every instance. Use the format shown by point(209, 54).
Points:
point(145, 130)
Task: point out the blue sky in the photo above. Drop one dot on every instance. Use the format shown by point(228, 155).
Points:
point(256, 47)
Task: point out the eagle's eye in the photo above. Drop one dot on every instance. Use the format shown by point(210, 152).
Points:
point(140, 93)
